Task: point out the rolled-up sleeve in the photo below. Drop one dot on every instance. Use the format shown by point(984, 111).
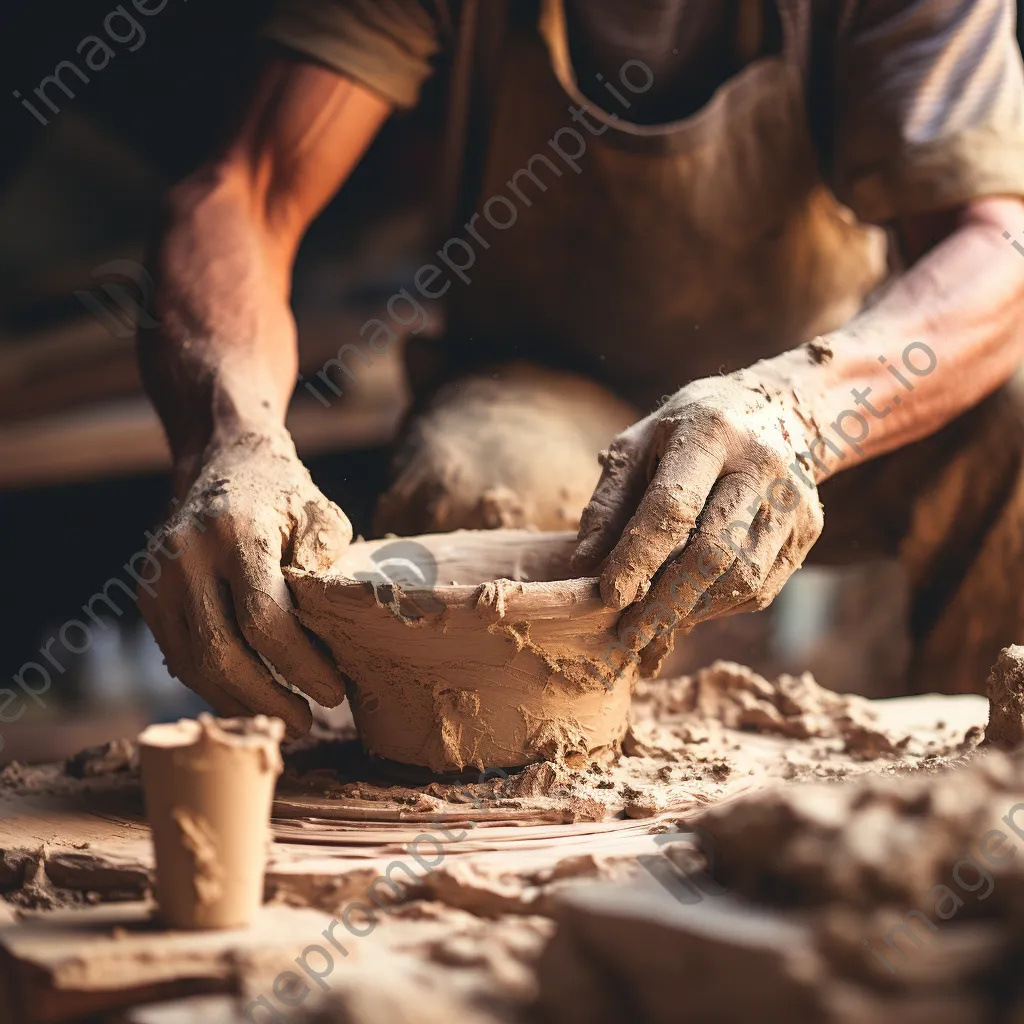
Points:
point(929, 106)
point(386, 45)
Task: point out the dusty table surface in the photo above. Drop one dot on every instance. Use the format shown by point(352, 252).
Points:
point(460, 877)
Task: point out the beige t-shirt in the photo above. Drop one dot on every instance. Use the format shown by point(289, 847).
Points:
point(925, 97)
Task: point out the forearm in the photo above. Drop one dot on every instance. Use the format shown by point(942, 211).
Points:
point(224, 359)
point(947, 333)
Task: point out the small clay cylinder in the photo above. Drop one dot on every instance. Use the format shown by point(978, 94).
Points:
point(209, 785)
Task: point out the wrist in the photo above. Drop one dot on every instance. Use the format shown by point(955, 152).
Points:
point(843, 396)
point(802, 379)
point(228, 438)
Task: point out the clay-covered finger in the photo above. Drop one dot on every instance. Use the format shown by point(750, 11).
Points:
point(224, 659)
point(169, 626)
point(623, 478)
point(746, 580)
point(265, 614)
point(163, 612)
point(719, 540)
point(789, 559)
point(322, 534)
point(687, 471)
point(218, 698)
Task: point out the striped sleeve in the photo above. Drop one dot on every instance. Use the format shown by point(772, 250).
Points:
point(385, 45)
point(930, 106)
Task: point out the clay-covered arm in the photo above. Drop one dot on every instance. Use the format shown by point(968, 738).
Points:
point(707, 506)
point(224, 359)
point(221, 368)
point(947, 333)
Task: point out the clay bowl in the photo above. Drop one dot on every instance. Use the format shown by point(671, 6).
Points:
point(473, 648)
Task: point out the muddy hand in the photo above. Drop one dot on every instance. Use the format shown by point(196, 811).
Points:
point(219, 604)
point(705, 507)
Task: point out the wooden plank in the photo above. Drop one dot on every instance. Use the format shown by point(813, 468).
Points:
point(65, 964)
point(71, 407)
point(82, 362)
point(123, 438)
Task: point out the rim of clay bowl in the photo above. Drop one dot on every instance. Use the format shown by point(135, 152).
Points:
point(579, 595)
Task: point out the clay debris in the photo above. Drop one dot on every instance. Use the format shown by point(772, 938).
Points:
point(883, 899)
point(812, 869)
point(1005, 727)
point(736, 697)
point(872, 841)
point(107, 759)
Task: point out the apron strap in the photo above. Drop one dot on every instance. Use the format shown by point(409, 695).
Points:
point(476, 64)
point(749, 31)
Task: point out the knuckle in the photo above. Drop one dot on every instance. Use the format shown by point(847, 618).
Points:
point(711, 552)
point(602, 502)
point(751, 482)
point(681, 588)
point(617, 457)
point(674, 504)
point(767, 455)
point(732, 589)
point(224, 532)
point(591, 515)
point(715, 417)
point(750, 577)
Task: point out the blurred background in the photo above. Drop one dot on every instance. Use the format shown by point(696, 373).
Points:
point(82, 458)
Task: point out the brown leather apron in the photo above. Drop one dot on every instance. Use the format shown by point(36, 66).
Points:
point(677, 250)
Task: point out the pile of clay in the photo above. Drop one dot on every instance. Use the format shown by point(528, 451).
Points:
point(692, 741)
point(886, 899)
point(897, 896)
point(472, 649)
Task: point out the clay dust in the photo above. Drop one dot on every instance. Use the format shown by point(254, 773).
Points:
point(691, 742)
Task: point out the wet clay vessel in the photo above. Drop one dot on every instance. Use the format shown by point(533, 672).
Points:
point(473, 648)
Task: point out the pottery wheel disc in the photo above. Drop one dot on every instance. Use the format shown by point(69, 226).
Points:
point(339, 782)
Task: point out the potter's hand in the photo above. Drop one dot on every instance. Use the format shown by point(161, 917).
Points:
point(220, 600)
point(710, 498)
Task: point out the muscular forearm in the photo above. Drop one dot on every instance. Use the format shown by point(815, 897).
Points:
point(709, 504)
point(224, 360)
point(221, 368)
point(947, 333)
point(224, 357)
